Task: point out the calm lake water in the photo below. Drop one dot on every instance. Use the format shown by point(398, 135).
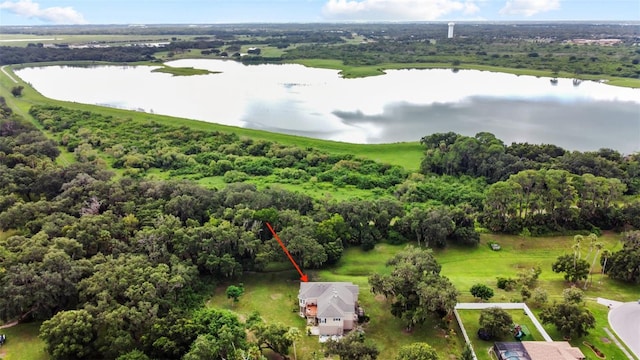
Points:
point(402, 105)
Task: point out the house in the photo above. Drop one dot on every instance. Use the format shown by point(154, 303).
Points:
point(331, 306)
point(537, 350)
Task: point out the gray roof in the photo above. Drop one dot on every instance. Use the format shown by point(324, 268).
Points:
point(334, 298)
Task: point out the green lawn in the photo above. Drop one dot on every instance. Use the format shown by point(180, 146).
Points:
point(466, 267)
point(274, 294)
point(23, 343)
point(597, 337)
point(471, 319)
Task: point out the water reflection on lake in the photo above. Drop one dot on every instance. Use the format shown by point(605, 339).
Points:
point(402, 105)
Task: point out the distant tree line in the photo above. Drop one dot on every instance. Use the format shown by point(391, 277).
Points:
point(34, 54)
point(540, 46)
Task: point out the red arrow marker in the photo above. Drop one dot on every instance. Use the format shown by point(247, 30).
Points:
point(303, 277)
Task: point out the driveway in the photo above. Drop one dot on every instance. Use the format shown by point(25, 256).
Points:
point(625, 321)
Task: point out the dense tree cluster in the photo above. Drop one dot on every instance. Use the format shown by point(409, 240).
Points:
point(415, 287)
point(541, 188)
point(32, 54)
point(484, 155)
point(182, 151)
point(555, 200)
point(123, 259)
point(571, 319)
point(539, 46)
point(530, 46)
point(625, 264)
point(116, 264)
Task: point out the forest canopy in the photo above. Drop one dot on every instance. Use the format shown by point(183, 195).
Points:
point(115, 262)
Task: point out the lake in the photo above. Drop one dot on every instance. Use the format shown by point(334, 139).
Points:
point(402, 105)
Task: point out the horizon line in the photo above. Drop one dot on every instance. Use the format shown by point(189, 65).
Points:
point(343, 22)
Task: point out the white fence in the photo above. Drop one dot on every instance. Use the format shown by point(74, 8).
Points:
point(505, 306)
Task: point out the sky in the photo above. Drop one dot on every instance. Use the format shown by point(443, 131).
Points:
point(67, 12)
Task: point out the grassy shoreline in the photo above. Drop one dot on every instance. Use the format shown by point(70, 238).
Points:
point(405, 154)
point(348, 71)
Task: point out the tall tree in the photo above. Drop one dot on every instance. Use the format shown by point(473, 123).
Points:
point(234, 292)
point(354, 346)
point(496, 322)
point(220, 330)
point(69, 334)
point(571, 319)
point(625, 264)
point(17, 90)
point(574, 269)
point(415, 287)
point(598, 245)
point(417, 351)
point(273, 336)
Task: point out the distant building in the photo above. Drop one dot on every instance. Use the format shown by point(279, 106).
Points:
point(450, 34)
point(537, 350)
point(601, 42)
point(331, 306)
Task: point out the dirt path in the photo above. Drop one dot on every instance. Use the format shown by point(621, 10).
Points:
point(8, 75)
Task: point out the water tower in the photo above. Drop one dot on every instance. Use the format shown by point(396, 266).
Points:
point(450, 35)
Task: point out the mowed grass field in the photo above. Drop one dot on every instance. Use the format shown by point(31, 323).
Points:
point(471, 319)
point(467, 267)
point(23, 343)
point(274, 294)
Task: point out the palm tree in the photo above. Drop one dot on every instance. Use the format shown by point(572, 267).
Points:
point(592, 240)
point(576, 247)
point(294, 335)
point(598, 245)
point(605, 255)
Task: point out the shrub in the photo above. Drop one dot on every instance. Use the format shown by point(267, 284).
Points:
point(507, 284)
point(482, 291)
point(235, 176)
point(540, 296)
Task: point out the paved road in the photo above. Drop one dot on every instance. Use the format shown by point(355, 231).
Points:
point(625, 321)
